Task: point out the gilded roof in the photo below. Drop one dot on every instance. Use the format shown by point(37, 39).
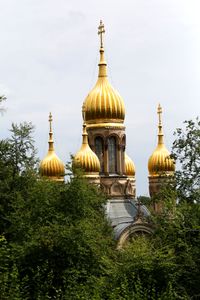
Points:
point(129, 166)
point(103, 103)
point(85, 158)
point(51, 166)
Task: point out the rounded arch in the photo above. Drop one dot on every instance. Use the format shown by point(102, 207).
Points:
point(131, 230)
point(99, 135)
point(112, 154)
point(116, 136)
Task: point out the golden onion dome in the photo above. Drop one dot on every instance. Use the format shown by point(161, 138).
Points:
point(129, 166)
point(85, 158)
point(51, 166)
point(103, 104)
point(160, 162)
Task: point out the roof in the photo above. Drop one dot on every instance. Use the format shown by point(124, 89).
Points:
point(122, 213)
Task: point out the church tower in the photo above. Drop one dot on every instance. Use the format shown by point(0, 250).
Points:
point(160, 165)
point(103, 158)
point(104, 114)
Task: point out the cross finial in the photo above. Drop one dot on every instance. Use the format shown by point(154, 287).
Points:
point(50, 121)
point(159, 111)
point(101, 30)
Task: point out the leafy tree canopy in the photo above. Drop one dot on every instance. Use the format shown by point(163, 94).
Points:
point(55, 242)
point(186, 151)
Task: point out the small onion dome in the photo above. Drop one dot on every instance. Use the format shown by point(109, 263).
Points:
point(160, 161)
point(51, 166)
point(85, 158)
point(103, 104)
point(129, 166)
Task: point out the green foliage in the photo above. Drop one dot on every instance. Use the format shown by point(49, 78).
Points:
point(17, 161)
point(55, 236)
point(144, 200)
point(186, 151)
point(22, 152)
point(56, 243)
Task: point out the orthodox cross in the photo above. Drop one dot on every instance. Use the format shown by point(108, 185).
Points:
point(50, 121)
point(101, 30)
point(159, 111)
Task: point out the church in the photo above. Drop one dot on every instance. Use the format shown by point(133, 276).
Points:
point(104, 160)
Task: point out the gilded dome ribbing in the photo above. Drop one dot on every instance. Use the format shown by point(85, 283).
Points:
point(103, 104)
point(51, 166)
point(160, 162)
point(129, 166)
point(85, 158)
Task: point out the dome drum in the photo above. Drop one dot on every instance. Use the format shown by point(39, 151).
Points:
point(105, 142)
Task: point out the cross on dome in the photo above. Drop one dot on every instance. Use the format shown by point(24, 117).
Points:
point(159, 111)
point(101, 31)
point(50, 121)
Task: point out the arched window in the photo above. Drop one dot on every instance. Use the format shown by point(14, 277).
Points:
point(99, 152)
point(123, 154)
point(112, 155)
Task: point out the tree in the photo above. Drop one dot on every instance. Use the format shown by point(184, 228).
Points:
point(186, 152)
point(56, 243)
point(59, 238)
point(54, 236)
point(17, 161)
point(22, 150)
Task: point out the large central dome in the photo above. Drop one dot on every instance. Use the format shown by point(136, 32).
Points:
point(103, 104)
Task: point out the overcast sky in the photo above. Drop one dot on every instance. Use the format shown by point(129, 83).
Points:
point(49, 56)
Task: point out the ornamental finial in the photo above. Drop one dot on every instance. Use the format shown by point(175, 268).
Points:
point(159, 111)
point(101, 31)
point(51, 148)
point(50, 121)
point(160, 131)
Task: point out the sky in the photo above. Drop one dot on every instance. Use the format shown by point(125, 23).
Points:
point(49, 51)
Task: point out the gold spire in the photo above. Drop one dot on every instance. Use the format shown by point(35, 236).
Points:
point(103, 106)
point(102, 63)
point(85, 135)
point(160, 131)
point(160, 162)
point(51, 146)
point(51, 166)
